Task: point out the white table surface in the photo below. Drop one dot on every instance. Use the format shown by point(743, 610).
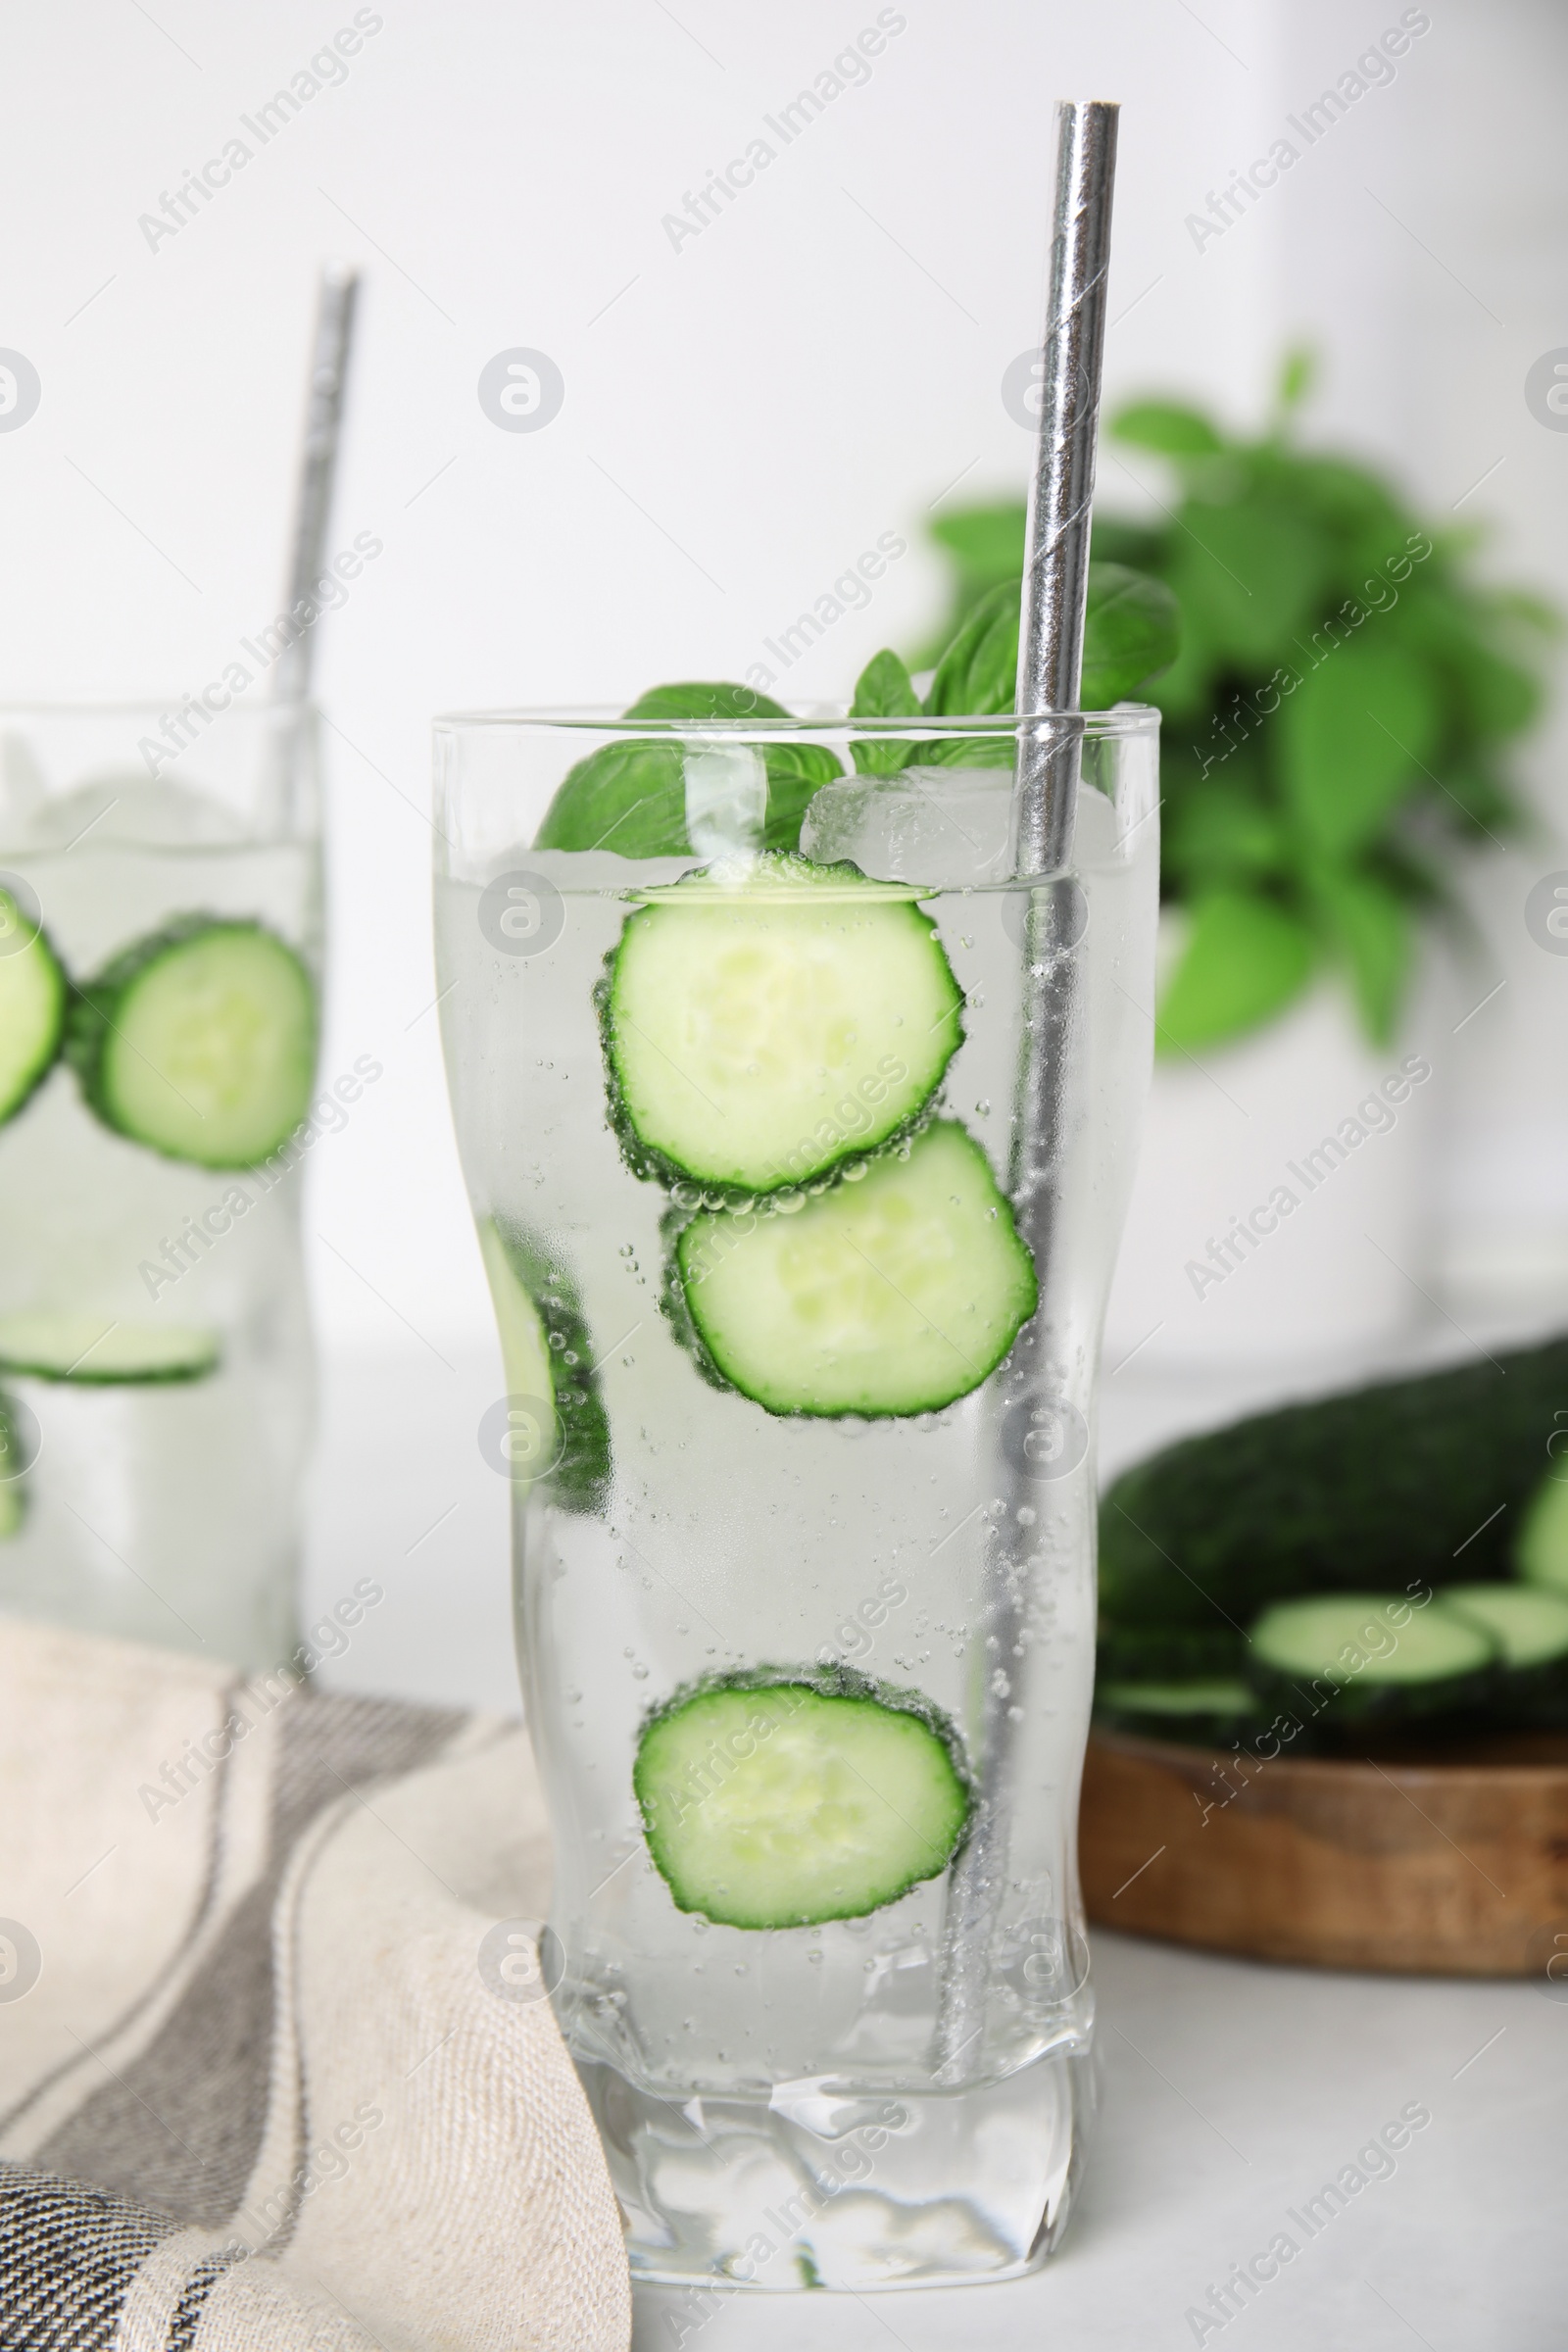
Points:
point(1231, 2091)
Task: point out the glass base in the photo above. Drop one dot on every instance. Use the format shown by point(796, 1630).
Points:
point(818, 2188)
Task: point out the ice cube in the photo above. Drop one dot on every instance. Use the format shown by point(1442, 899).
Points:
point(943, 826)
point(726, 798)
point(948, 828)
point(124, 806)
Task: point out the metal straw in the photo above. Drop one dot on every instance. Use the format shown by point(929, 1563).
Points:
point(1051, 643)
point(1055, 571)
point(324, 419)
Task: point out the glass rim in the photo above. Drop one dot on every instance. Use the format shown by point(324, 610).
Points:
point(1124, 721)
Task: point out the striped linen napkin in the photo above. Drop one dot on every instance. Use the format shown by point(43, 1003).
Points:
point(276, 2074)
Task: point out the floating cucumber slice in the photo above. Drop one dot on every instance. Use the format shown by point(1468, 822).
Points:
point(1542, 1552)
point(767, 1020)
point(1368, 1656)
point(549, 1356)
point(632, 797)
point(1199, 1713)
point(34, 995)
point(199, 1042)
point(895, 1293)
point(781, 1802)
point(1529, 1626)
point(97, 1350)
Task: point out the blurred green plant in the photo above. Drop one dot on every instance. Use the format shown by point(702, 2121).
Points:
point(1335, 718)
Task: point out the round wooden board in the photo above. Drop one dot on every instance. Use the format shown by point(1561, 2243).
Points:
point(1451, 1867)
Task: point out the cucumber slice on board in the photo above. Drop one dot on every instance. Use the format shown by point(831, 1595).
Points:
point(766, 1021)
point(1542, 1552)
point(1361, 1658)
point(549, 1356)
point(1197, 1714)
point(96, 1351)
point(784, 1803)
point(630, 797)
point(34, 996)
point(199, 1042)
point(895, 1294)
point(1529, 1626)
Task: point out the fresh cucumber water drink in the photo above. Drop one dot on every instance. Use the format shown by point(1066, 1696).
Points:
point(160, 941)
point(735, 1010)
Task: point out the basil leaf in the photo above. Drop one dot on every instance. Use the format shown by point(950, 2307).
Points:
point(1255, 571)
point(627, 796)
point(1297, 373)
point(630, 798)
point(884, 690)
point(715, 698)
point(1245, 958)
point(796, 773)
point(1131, 631)
point(1168, 426)
point(1221, 832)
point(1354, 739)
point(975, 663)
point(1129, 635)
point(1371, 925)
point(984, 539)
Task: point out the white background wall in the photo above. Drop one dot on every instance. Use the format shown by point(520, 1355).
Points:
point(742, 415)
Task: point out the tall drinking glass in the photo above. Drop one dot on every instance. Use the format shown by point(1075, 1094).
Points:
point(800, 1329)
point(160, 951)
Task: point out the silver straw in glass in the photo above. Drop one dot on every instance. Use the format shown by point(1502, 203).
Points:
point(324, 420)
point(1051, 646)
point(1055, 566)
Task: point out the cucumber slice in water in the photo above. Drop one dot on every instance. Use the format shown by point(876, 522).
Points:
point(200, 1041)
point(1542, 1554)
point(895, 1294)
point(99, 1351)
point(783, 1803)
point(1350, 1653)
point(34, 996)
point(766, 1021)
point(549, 1357)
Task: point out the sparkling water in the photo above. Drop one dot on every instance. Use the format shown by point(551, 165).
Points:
point(781, 2091)
point(166, 1512)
